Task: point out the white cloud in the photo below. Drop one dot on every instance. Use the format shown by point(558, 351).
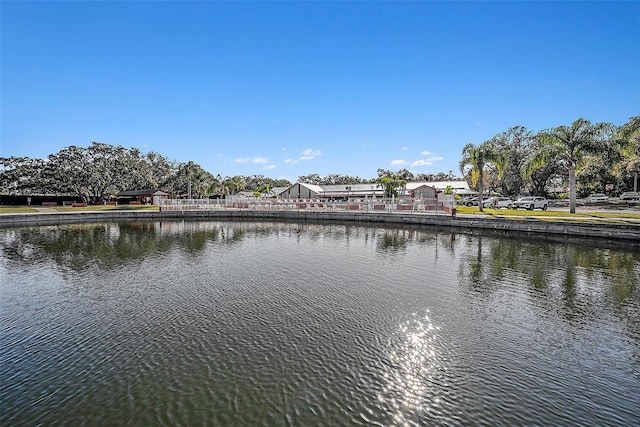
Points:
point(404, 148)
point(255, 160)
point(310, 152)
point(269, 167)
point(426, 162)
point(421, 162)
point(428, 159)
point(399, 163)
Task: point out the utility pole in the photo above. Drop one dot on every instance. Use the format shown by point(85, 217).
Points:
point(189, 186)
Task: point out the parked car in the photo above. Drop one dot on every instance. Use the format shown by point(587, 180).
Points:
point(469, 201)
point(597, 198)
point(498, 202)
point(531, 202)
point(630, 195)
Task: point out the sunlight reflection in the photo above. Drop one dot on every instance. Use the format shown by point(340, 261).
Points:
point(414, 362)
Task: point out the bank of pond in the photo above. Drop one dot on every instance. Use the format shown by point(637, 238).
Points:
point(614, 231)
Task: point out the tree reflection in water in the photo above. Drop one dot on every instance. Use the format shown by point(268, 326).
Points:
point(83, 246)
point(577, 281)
point(543, 285)
point(393, 240)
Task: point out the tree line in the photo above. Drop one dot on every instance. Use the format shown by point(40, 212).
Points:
point(584, 157)
point(100, 171)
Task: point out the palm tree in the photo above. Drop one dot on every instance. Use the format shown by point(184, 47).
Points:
point(479, 156)
point(630, 136)
point(391, 182)
point(233, 185)
point(568, 145)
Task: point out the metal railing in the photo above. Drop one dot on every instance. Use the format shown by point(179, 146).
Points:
point(432, 206)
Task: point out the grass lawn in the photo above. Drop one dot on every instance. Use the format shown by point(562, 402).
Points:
point(34, 209)
point(108, 208)
point(585, 216)
point(578, 216)
point(16, 209)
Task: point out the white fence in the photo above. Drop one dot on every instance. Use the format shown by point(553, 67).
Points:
point(445, 206)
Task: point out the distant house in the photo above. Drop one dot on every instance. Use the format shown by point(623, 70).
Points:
point(142, 196)
point(458, 187)
point(361, 191)
point(275, 191)
point(245, 195)
point(301, 190)
point(421, 190)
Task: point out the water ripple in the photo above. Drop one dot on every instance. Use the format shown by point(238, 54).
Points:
point(312, 325)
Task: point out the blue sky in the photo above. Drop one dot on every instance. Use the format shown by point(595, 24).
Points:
point(286, 89)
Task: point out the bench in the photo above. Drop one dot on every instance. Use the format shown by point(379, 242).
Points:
point(111, 203)
point(49, 203)
point(79, 205)
point(134, 202)
point(68, 203)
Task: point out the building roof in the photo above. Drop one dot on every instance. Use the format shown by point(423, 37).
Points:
point(352, 188)
point(312, 187)
point(130, 193)
point(248, 194)
point(315, 188)
point(276, 190)
point(440, 185)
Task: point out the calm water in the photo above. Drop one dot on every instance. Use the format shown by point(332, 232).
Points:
point(221, 323)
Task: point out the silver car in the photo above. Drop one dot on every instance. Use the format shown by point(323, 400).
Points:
point(597, 198)
point(630, 195)
point(469, 201)
point(498, 202)
point(531, 203)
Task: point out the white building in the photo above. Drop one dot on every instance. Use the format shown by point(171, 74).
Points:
point(416, 190)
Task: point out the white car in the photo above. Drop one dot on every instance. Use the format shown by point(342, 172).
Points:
point(531, 203)
point(469, 201)
point(630, 195)
point(500, 202)
point(597, 198)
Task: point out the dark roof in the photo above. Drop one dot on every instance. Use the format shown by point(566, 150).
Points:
point(141, 193)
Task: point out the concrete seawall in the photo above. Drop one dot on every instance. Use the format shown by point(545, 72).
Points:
point(613, 231)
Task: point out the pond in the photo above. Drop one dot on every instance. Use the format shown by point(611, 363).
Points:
point(259, 323)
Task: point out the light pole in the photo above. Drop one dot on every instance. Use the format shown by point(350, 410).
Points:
point(189, 186)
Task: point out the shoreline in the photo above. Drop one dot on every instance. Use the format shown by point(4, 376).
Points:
point(628, 232)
